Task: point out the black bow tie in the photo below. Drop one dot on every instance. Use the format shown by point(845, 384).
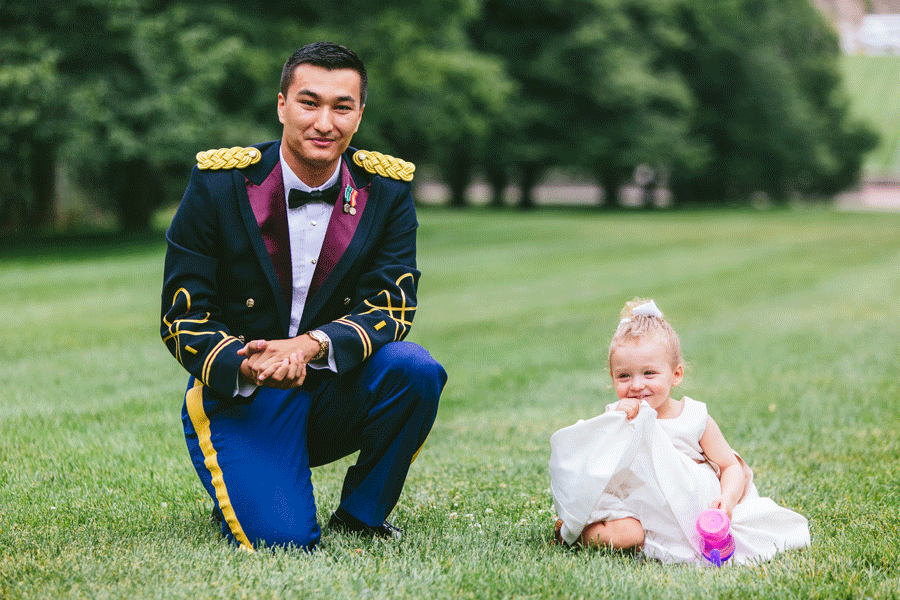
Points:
point(297, 198)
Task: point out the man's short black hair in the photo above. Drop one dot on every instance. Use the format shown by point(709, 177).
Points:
point(328, 56)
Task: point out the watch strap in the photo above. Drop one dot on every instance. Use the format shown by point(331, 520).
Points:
point(323, 343)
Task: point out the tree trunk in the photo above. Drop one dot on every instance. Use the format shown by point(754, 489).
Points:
point(531, 174)
point(498, 180)
point(135, 191)
point(610, 181)
point(12, 205)
point(43, 182)
point(458, 174)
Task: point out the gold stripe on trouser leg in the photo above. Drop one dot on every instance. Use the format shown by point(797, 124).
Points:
point(416, 455)
point(200, 421)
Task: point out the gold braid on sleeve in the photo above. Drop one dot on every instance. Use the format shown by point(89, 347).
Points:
point(228, 158)
point(384, 165)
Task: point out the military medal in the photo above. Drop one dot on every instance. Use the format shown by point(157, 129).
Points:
point(350, 200)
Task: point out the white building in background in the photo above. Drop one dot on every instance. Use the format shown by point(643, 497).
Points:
point(876, 34)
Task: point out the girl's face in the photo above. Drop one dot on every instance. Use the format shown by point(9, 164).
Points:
point(643, 370)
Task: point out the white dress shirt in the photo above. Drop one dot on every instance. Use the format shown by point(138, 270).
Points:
point(306, 228)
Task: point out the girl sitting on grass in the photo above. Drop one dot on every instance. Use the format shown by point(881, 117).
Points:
point(639, 475)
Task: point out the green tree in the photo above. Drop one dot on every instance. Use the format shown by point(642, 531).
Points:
point(632, 107)
point(31, 115)
point(148, 83)
point(593, 91)
point(432, 99)
point(531, 137)
point(119, 89)
point(158, 85)
point(769, 101)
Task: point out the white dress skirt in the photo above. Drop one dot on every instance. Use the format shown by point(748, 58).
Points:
point(653, 470)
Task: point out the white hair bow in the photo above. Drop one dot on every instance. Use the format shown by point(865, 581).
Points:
point(647, 309)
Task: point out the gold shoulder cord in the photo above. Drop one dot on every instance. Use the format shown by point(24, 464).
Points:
point(228, 158)
point(384, 165)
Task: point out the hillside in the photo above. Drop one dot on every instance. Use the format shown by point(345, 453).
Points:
point(852, 11)
point(872, 82)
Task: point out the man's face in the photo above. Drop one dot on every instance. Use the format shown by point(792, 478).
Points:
point(320, 114)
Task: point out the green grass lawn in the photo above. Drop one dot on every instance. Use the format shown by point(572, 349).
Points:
point(790, 322)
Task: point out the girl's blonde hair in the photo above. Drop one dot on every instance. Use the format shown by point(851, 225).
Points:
point(634, 328)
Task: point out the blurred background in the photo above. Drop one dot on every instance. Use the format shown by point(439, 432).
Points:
point(613, 104)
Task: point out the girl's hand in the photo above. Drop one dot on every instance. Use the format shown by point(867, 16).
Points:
point(725, 503)
point(630, 406)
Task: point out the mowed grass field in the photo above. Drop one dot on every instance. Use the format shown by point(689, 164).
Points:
point(790, 322)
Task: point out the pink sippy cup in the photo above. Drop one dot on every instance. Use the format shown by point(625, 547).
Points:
point(716, 541)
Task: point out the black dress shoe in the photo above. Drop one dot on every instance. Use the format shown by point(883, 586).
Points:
point(347, 523)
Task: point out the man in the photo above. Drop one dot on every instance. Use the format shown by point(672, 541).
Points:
point(306, 250)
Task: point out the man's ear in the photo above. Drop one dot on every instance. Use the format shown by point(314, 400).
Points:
point(359, 120)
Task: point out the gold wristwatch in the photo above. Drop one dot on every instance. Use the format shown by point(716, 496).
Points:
point(323, 343)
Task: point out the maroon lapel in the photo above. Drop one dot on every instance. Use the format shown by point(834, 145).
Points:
point(267, 201)
point(341, 228)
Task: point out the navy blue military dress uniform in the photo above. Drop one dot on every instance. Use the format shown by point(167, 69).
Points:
point(228, 280)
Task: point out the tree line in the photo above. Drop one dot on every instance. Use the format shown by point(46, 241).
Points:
point(728, 98)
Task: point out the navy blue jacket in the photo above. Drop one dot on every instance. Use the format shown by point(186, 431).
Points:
point(225, 275)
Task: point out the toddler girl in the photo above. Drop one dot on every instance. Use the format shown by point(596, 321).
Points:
point(639, 475)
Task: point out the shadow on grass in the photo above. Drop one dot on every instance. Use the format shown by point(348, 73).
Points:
point(78, 246)
point(87, 244)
